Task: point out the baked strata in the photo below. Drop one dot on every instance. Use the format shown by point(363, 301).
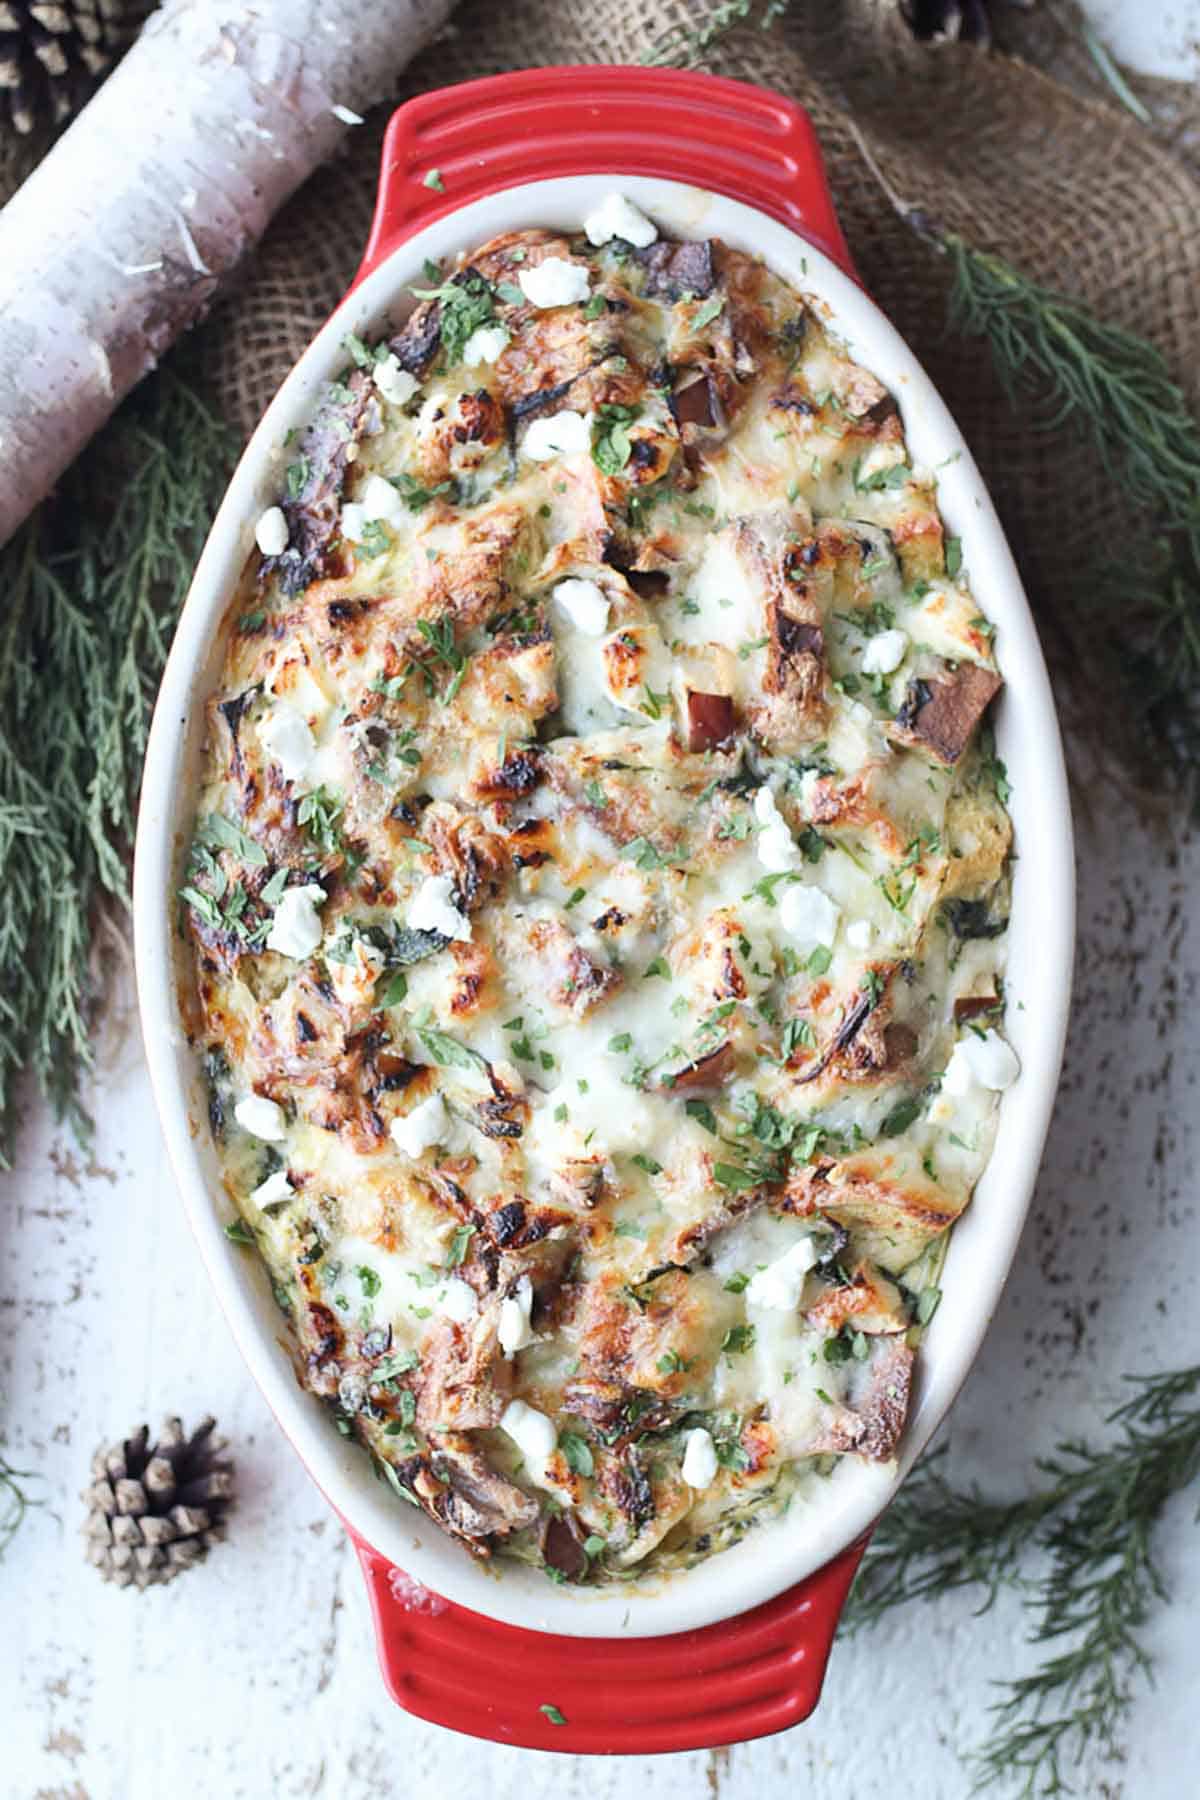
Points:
point(597, 899)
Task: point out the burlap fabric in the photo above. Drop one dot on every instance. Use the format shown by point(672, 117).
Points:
point(1050, 171)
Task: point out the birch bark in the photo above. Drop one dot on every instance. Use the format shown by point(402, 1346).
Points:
point(121, 237)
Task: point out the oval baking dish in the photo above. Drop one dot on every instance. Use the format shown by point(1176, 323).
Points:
point(542, 148)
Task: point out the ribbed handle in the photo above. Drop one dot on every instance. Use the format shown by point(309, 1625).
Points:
point(535, 124)
point(744, 1678)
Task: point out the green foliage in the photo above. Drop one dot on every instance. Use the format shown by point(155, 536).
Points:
point(1089, 1531)
point(1115, 388)
point(687, 45)
point(91, 584)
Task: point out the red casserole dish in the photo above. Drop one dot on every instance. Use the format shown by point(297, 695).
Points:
point(761, 1669)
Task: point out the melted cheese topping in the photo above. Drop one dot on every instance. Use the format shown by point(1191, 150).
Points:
point(597, 899)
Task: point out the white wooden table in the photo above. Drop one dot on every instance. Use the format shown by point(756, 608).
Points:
point(255, 1677)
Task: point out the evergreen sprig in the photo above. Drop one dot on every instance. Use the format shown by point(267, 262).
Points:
point(91, 585)
point(1116, 389)
point(1090, 1528)
point(687, 44)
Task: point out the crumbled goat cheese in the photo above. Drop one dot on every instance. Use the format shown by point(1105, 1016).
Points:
point(378, 500)
point(422, 1128)
point(432, 909)
point(514, 1330)
point(585, 604)
point(456, 1300)
point(287, 738)
point(486, 344)
point(700, 1464)
point(859, 934)
point(262, 1118)
point(354, 522)
point(563, 433)
point(531, 1431)
point(275, 1188)
point(777, 1287)
point(617, 217)
point(554, 282)
point(396, 385)
point(987, 1060)
point(271, 532)
point(884, 653)
point(296, 928)
point(774, 844)
point(808, 914)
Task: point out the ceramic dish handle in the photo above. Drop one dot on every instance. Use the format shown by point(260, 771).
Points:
point(457, 144)
point(743, 1678)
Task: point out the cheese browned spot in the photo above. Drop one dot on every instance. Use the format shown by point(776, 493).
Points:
point(598, 865)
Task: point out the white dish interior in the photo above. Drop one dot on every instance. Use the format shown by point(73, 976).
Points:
point(773, 1557)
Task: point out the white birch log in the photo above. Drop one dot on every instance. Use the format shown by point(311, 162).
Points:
point(120, 238)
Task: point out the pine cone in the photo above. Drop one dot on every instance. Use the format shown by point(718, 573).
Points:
point(154, 1510)
point(53, 53)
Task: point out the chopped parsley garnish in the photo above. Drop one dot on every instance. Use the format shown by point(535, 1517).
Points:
point(953, 556)
point(647, 1163)
point(893, 477)
point(465, 303)
point(928, 1301)
point(642, 853)
point(318, 813)
point(460, 1243)
point(552, 1713)
point(705, 314)
point(416, 497)
point(238, 1232)
point(900, 1117)
point(703, 1114)
point(577, 1454)
point(738, 1339)
point(447, 1051)
point(731, 1176)
point(797, 1034)
point(611, 446)
point(439, 635)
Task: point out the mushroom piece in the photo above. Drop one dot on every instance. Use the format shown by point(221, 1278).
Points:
point(710, 719)
point(940, 715)
point(871, 1425)
point(707, 1072)
point(325, 449)
point(675, 271)
point(463, 1494)
point(562, 1546)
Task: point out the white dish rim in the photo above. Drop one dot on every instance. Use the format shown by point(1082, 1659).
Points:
point(775, 1557)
